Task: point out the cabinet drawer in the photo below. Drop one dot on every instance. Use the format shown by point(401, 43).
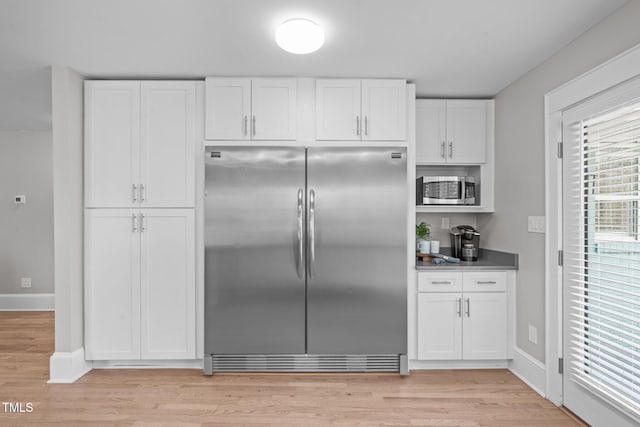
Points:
point(481, 281)
point(440, 282)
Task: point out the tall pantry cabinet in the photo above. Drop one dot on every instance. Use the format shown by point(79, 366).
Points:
point(139, 220)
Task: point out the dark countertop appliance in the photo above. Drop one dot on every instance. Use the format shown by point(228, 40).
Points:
point(465, 242)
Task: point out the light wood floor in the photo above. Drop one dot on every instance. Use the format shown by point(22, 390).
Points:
point(186, 397)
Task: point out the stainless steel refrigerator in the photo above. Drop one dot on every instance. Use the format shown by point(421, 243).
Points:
point(305, 259)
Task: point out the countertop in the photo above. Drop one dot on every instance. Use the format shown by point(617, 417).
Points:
point(488, 259)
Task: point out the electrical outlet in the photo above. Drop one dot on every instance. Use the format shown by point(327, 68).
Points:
point(25, 282)
point(533, 334)
point(444, 224)
point(20, 199)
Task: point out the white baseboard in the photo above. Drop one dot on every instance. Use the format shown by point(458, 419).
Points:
point(530, 370)
point(147, 364)
point(26, 302)
point(65, 368)
point(457, 364)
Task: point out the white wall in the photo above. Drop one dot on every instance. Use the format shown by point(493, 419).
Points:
point(26, 231)
point(520, 159)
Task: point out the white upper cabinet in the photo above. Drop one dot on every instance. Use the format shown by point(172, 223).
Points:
point(167, 160)
point(452, 131)
point(384, 110)
point(139, 144)
point(353, 109)
point(112, 143)
point(245, 109)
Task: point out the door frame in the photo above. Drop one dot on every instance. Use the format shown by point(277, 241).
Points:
point(617, 70)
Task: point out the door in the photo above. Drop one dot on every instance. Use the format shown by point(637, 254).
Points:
point(273, 105)
point(112, 284)
point(384, 110)
point(338, 109)
point(254, 251)
point(227, 108)
point(466, 131)
point(439, 326)
point(167, 144)
point(431, 125)
point(357, 252)
point(112, 143)
point(167, 282)
point(484, 329)
point(600, 239)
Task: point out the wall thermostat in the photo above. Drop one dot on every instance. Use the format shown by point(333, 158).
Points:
point(20, 200)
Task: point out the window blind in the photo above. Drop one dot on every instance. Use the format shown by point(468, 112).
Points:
point(604, 253)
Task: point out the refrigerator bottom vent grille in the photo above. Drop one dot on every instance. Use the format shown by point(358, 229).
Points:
point(306, 363)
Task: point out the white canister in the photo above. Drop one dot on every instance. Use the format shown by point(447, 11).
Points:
point(435, 246)
point(424, 246)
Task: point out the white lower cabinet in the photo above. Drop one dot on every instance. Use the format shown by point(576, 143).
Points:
point(462, 316)
point(139, 284)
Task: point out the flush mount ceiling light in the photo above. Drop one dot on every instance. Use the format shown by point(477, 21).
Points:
point(299, 36)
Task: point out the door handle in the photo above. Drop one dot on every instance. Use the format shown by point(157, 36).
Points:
point(143, 223)
point(142, 193)
point(358, 125)
point(300, 252)
point(253, 125)
point(312, 232)
point(442, 153)
point(459, 307)
point(134, 228)
point(366, 126)
point(246, 132)
point(468, 311)
point(134, 188)
point(451, 149)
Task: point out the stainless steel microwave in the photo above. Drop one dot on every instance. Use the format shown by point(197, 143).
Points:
point(446, 190)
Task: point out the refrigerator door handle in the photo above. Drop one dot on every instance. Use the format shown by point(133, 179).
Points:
point(300, 254)
point(312, 232)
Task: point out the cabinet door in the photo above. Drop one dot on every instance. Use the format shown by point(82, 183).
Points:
point(112, 143)
point(338, 109)
point(384, 110)
point(466, 131)
point(167, 284)
point(439, 326)
point(273, 109)
point(227, 108)
point(485, 326)
point(112, 284)
point(431, 125)
point(167, 144)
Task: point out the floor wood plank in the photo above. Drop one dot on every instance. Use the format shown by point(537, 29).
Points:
point(184, 397)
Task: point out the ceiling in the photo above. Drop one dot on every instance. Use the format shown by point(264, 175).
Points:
point(449, 48)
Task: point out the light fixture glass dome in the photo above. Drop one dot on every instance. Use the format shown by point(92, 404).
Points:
point(299, 36)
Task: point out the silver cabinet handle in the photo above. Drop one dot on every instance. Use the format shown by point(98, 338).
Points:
point(459, 307)
point(442, 153)
point(468, 311)
point(442, 282)
point(143, 223)
point(312, 232)
point(451, 149)
point(133, 223)
point(366, 126)
point(358, 125)
point(142, 193)
point(300, 254)
point(133, 192)
point(246, 132)
point(253, 125)
point(486, 282)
